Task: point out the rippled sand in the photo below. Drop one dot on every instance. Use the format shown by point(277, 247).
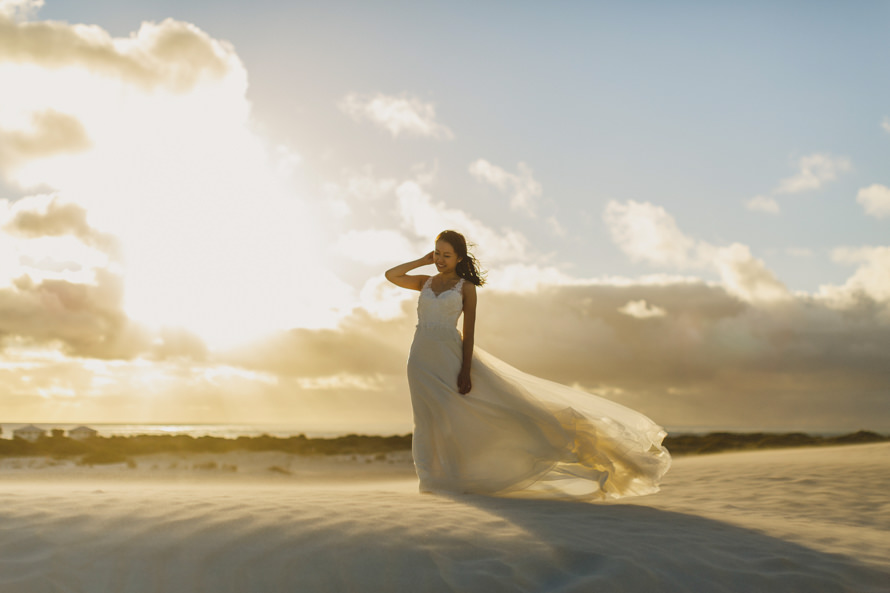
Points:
point(792, 520)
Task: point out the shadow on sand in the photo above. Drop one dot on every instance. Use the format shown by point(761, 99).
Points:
point(617, 547)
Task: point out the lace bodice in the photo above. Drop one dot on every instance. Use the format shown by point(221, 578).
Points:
point(439, 311)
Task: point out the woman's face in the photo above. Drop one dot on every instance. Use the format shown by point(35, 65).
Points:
point(445, 257)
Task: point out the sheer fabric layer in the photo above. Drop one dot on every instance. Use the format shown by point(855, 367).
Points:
point(514, 433)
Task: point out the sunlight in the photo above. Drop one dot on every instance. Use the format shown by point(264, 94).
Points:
point(213, 238)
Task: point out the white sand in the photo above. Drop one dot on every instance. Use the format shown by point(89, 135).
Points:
point(793, 520)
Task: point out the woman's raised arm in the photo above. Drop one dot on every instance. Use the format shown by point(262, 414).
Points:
point(399, 274)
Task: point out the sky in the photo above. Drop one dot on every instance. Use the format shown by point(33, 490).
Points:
point(683, 207)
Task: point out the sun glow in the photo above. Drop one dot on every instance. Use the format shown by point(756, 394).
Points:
point(212, 235)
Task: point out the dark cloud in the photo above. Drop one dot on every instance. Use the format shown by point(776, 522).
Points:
point(86, 320)
point(713, 359)
point(362, 345)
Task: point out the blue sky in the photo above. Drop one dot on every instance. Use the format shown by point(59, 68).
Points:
point(682, 206)
point(694, 106)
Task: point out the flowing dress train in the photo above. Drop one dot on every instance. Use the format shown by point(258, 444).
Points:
point(516, 434)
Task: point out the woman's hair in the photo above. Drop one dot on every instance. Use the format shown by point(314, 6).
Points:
point(468, 267)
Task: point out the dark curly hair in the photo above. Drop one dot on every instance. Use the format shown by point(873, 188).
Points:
point(468, 267)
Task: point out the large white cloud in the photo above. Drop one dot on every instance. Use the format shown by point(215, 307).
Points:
point(150, 137)
point(648, 233)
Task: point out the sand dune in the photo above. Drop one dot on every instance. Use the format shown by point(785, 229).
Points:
point(797, 520)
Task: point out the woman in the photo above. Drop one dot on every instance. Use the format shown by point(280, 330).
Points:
point(482, 426)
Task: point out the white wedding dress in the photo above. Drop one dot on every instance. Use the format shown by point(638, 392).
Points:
point(516, 434)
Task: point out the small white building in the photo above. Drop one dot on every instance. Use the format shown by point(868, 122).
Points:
point(82, 433)
point(28, 433)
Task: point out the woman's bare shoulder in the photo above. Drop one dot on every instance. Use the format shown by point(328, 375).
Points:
point(468, 289)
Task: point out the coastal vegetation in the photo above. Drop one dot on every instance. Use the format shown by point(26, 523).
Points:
point(120, 449)
point(116, 449)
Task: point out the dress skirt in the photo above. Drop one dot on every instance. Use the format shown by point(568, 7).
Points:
point(519, 435)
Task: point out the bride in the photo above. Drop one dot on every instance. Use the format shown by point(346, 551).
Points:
point(482, 426)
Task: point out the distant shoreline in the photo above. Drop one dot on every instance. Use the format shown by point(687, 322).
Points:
point(116, 449)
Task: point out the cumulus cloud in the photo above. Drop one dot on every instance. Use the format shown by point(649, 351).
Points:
point(212, 236)
point(383, 299)
point(49, 134)
point(648, 233)
point(41, 384)
point(362, 346)
point(19, 9)
point(870, 280)
point(400, 114)
point(641, 309)
point(747, 276)
point(173, 177)
point(424, 219)
point(875, 199)
point(714, 360)
point(86, 319)
point(50, 216)
point(171, 54)
point(522, 186)
point(523, 278)
point(815, 171)
point(763, 204)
